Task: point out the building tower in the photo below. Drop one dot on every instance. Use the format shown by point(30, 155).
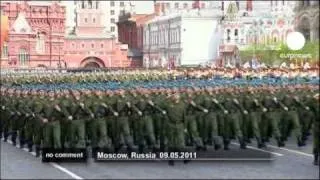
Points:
point(89, 17)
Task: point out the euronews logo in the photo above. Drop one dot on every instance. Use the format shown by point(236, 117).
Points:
point(295, 41)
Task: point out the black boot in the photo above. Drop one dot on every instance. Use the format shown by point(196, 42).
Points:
point(280, 142)
point(37, 151)
point(301, 142)
point(217, 146)
point(316, 157)
point(21, 144)
point(248, 140)
point(5, 138)
point(261, 144)
point(186, 161)
point(94, 152)
point(141, 148)
point(130, 149)
point(243, 144)
point(118, 148)
point(204, 148)
point(226, 144)
point(14, 138)
point(171, 163)
point(30, 147)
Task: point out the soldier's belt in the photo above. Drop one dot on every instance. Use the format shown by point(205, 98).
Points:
point(123, 114)
point(98, 115)
point(146, 113)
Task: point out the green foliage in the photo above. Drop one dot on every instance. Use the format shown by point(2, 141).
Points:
point(265, 53)
point(309, 48)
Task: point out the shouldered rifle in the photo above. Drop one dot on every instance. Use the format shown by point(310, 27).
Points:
point(264, 109)
point(132, 106)
point(236, 102)
point(280, 103)
point(110, 108)
point(301, 103)
point(220, 105)
point(198, 106)
point(156, 107)
point(87, 110)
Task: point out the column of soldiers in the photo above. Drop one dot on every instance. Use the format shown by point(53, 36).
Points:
point(160, 119)
point(152, 75)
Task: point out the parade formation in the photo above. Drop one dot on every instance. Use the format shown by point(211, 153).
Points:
point(161, 110)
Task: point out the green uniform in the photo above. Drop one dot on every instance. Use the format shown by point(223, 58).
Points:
point(14, 118)
point(211, 133)
point(290, 119)
point(253, 124)
point(174, 126)
point(232, 121)
point(38, 113)
point(191, 125)
point(145, 124)
point(121, 125)
point(79, 114)
point(159, 121)
point(5, 117)
point(51, 129)
point(314, 107)
point(99, 126)
point(65, 123)
point(271, 119)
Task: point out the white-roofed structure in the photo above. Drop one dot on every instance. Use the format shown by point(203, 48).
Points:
point(21, 25)
point(186, 37)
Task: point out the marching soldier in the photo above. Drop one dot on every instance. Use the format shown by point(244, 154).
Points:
point(314, 106)
point(51, 121)
point(99, 126)
point(232, 124)
point(174, 126)
point(123, 109)
point(191, 121)
point(271, 117)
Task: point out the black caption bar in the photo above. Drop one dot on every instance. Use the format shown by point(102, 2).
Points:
point(64, 155)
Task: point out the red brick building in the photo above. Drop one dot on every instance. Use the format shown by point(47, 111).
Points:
point(130, 31)
point(36, 34)
point(89, 45)
point(37, 37)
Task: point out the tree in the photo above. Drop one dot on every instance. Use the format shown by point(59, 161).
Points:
point(265, 53)
point(311, 48)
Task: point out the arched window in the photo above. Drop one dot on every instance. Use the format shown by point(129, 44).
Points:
point(23, 57)
point(5, 50)
point(40, 45)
